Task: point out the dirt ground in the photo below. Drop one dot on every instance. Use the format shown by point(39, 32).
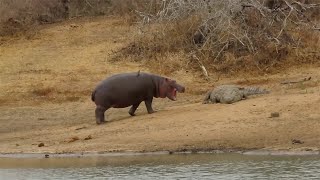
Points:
point(46, 79)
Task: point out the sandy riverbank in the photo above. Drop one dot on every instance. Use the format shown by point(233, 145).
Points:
point(46, 84)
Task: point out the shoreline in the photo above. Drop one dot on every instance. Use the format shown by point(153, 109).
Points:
point(176, 129)
point(259, 152)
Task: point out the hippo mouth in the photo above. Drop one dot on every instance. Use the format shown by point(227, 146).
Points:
point(173, 94)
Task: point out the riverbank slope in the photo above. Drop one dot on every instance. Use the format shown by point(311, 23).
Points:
point(47, 78)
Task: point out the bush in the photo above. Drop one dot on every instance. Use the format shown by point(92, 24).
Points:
point(20, 15)
point(228, 35)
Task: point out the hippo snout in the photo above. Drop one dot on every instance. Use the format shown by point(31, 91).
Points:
point(180, 88)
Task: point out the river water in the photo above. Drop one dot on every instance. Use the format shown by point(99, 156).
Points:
point(182, 166)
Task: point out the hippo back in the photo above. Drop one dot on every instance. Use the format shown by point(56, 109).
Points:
point(122, 90)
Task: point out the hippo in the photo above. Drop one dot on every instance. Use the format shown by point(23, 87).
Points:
point(130, 89)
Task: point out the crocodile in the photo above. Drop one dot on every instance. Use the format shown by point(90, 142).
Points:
point(228, 94)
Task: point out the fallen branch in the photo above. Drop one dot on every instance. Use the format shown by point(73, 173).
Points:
point(296, 81)
point(204, 71)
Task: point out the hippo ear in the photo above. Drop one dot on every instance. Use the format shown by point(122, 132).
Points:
point(166, 79)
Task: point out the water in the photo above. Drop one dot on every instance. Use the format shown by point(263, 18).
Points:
point(191, 166)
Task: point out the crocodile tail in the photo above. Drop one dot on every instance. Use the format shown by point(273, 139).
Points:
point(206, 99)
point(254, 90)
point(93, 95)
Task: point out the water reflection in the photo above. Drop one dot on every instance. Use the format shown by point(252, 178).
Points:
point(193, 166)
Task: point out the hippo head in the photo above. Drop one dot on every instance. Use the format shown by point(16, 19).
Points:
point(169, 89)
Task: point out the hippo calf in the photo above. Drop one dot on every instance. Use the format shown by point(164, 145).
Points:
point(130, 89)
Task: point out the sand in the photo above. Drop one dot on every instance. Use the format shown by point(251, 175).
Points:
point(46, 79)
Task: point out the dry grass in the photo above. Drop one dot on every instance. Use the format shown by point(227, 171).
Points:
point(60, 67)
point(43, 92)
point(245, 45)
point(3, 102)
point(64, 62)
point(168, 45)
point(19, 16)
point(58, 94)
point(160, 47)
point(157, 48)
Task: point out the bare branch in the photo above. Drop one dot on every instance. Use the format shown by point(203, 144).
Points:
point(285, 19)
point(88, 3)
point(242, 27)
point(204, 70)
point(226, 44)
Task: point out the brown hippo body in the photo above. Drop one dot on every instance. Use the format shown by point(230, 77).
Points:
point(123, 90)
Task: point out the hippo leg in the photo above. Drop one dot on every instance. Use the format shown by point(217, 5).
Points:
point(133, 109)
point(100, 114)
point(148, 103)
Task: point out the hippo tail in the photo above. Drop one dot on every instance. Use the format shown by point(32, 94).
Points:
point(93, 95)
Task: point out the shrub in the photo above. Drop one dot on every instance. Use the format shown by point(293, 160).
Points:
point(228, 35)
point(20, 15)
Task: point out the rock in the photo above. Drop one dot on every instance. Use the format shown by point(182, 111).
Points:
point(87, 138)
point(74, 25)
point(296, 141)
point(274, 114)
point(79, 128)
point(41, 145)
point(45, 19)
point(73, 139)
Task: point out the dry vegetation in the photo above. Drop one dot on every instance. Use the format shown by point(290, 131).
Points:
point(18, 16)
point(46, 80)
point(230, 36)
point(210, 36)
point(170, 36)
